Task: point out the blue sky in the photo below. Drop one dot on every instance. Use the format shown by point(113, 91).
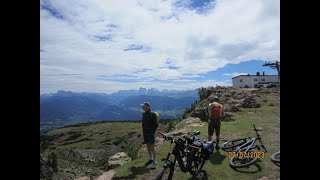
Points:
point(250, 67)
point(105, 46)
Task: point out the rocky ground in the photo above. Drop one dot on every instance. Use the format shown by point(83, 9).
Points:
point(88, 151)
point(232, 99)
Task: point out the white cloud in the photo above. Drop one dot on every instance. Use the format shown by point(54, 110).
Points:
point(235, 74)
point(91, 38)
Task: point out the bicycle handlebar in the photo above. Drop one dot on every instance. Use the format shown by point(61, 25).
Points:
point(166, 137)
point(161, 133)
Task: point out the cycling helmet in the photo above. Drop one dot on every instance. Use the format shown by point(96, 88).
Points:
point(214, 98)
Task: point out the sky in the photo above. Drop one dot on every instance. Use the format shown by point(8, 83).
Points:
point(105, 46)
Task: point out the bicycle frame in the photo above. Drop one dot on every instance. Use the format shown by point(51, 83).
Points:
point(178, 154)
point(249, 144)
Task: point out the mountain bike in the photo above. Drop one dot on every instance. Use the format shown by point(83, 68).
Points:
point(198, 152)
point(183, 148)
point(275, 158)
point(243, 152)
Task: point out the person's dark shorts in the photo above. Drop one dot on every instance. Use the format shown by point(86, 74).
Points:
point(214, 125)
point(148, 137)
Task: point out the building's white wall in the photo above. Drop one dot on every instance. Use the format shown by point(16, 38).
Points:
point(249, 80)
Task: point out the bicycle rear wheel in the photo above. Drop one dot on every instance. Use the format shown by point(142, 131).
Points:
point(275, 158)
point(232, 144)
point(165, 173)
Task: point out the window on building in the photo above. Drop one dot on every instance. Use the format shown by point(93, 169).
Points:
point(262, 79)
point(241, 80)
point(255, 79)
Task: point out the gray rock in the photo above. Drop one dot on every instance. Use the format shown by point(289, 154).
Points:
point(250, 102)
point(117, 160)
point(229, 116)
point(48, 165)
point(233, 101)
point(77, 169)
point(179, 132)
point(232, 108)
point(199, 113)
point(96, 156)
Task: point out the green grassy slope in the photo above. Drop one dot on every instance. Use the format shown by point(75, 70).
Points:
point(94, 135)
point(267, 117)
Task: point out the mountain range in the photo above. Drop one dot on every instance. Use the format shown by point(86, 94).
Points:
point(66, 107)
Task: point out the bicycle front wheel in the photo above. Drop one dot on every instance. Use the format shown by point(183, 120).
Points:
point(195, 162)
point(165, 173)
point(239, 162)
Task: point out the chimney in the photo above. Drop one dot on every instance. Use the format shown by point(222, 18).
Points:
point(263, 73)
point(258, 73)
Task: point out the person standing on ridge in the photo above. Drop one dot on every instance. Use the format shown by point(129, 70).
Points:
point(149, 127)
point(216, 112)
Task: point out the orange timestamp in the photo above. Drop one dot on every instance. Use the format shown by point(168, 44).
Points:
point(246, 155)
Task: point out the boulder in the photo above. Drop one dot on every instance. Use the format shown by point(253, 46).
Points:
point(199, 113)
point(192, 121)
point(96, 156)
point(93, 155)
point(233, 101)
point(231, 108)
point(228, 116)
point(79, 169)
point(48, 165)
point(240, 96)
point(249, 102)
point(117, 160)
point(179, 132)
point(196, 125)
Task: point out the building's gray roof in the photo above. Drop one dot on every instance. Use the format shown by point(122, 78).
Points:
point(254, 75)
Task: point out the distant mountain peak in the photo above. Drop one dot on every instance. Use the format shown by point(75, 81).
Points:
point(63, 92)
